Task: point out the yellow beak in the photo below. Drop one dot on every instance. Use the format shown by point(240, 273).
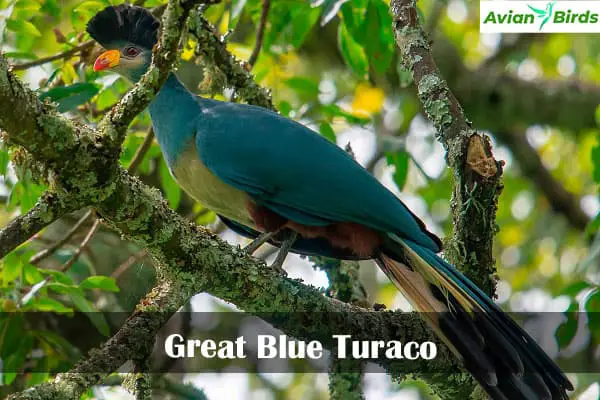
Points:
point(107, 60)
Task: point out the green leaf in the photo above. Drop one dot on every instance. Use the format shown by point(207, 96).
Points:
point(333, 110)
point(593, 226)
point(400, 160)
point(11, 268)
point(32, 275)
point(352, 52)
point(16, 360)
point(23, 27)
point(100, 282)
point(69, 97)
point(58, 276)
point(61, 288)
point(575, 288)
point(169, 185)
point(96, 317)
point(379, 43)
point(305, 87)
point(327, 132)
point(289, 23)
point(4, 160)
point(354, 17)
point(50, 305)
point(567, 330)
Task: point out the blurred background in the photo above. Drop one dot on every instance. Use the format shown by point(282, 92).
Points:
point(332, 65)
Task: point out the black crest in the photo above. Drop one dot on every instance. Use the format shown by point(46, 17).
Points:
point(124, 23)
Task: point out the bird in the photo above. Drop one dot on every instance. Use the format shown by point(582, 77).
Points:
point(545, 15)
point(275, 180)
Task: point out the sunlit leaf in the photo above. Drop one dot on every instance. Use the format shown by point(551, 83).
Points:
point(105, 283)
point(303, 86)
point(23, 27)
point(567, 330)
point(353, 54)
point(400, 160)
point(327, 132)
point(379, 42)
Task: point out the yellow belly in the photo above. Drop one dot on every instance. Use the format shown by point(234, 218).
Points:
point(193, 176)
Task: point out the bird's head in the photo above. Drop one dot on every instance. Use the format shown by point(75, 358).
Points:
point(128, 33)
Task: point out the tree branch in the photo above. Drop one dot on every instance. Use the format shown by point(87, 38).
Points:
point(476, 172)
point(260, 33)
point(35, 259)
point(213, 53)
point(48, 209)
point(477, 175)
point(60, 56)
point(141, 152)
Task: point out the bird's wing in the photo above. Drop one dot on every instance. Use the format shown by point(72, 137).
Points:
point(297, 173)
point(540, 13)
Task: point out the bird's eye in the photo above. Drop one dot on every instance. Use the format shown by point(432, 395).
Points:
point(132, 51)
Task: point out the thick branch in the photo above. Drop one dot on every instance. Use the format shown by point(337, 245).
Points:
point(48, 209)
point(213, 52)
point(476, 173)
point(187, 253)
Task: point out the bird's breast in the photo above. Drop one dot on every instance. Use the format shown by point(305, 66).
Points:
point(204, 186)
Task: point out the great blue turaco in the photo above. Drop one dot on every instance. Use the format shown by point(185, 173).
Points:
point(274, 180)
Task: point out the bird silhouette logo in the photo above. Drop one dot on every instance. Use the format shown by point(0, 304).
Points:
point(544, 14)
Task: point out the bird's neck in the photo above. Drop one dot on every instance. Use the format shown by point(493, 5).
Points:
point(174, 112)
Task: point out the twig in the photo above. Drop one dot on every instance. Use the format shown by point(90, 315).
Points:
point(82, 246)
point(59, 243)
point(141, 152)
point(134, 258)
point(60, 56)
point(260, 33)
point(65, 267)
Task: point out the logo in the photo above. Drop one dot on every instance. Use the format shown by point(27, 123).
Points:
point(545, 15)
point(539, 16)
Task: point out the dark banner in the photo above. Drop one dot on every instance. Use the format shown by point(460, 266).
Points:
point(274, 342)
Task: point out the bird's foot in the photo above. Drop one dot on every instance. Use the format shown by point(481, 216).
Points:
point(259, 241)
point(284, 250)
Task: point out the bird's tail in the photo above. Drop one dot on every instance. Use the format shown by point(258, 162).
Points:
point(503, 358)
